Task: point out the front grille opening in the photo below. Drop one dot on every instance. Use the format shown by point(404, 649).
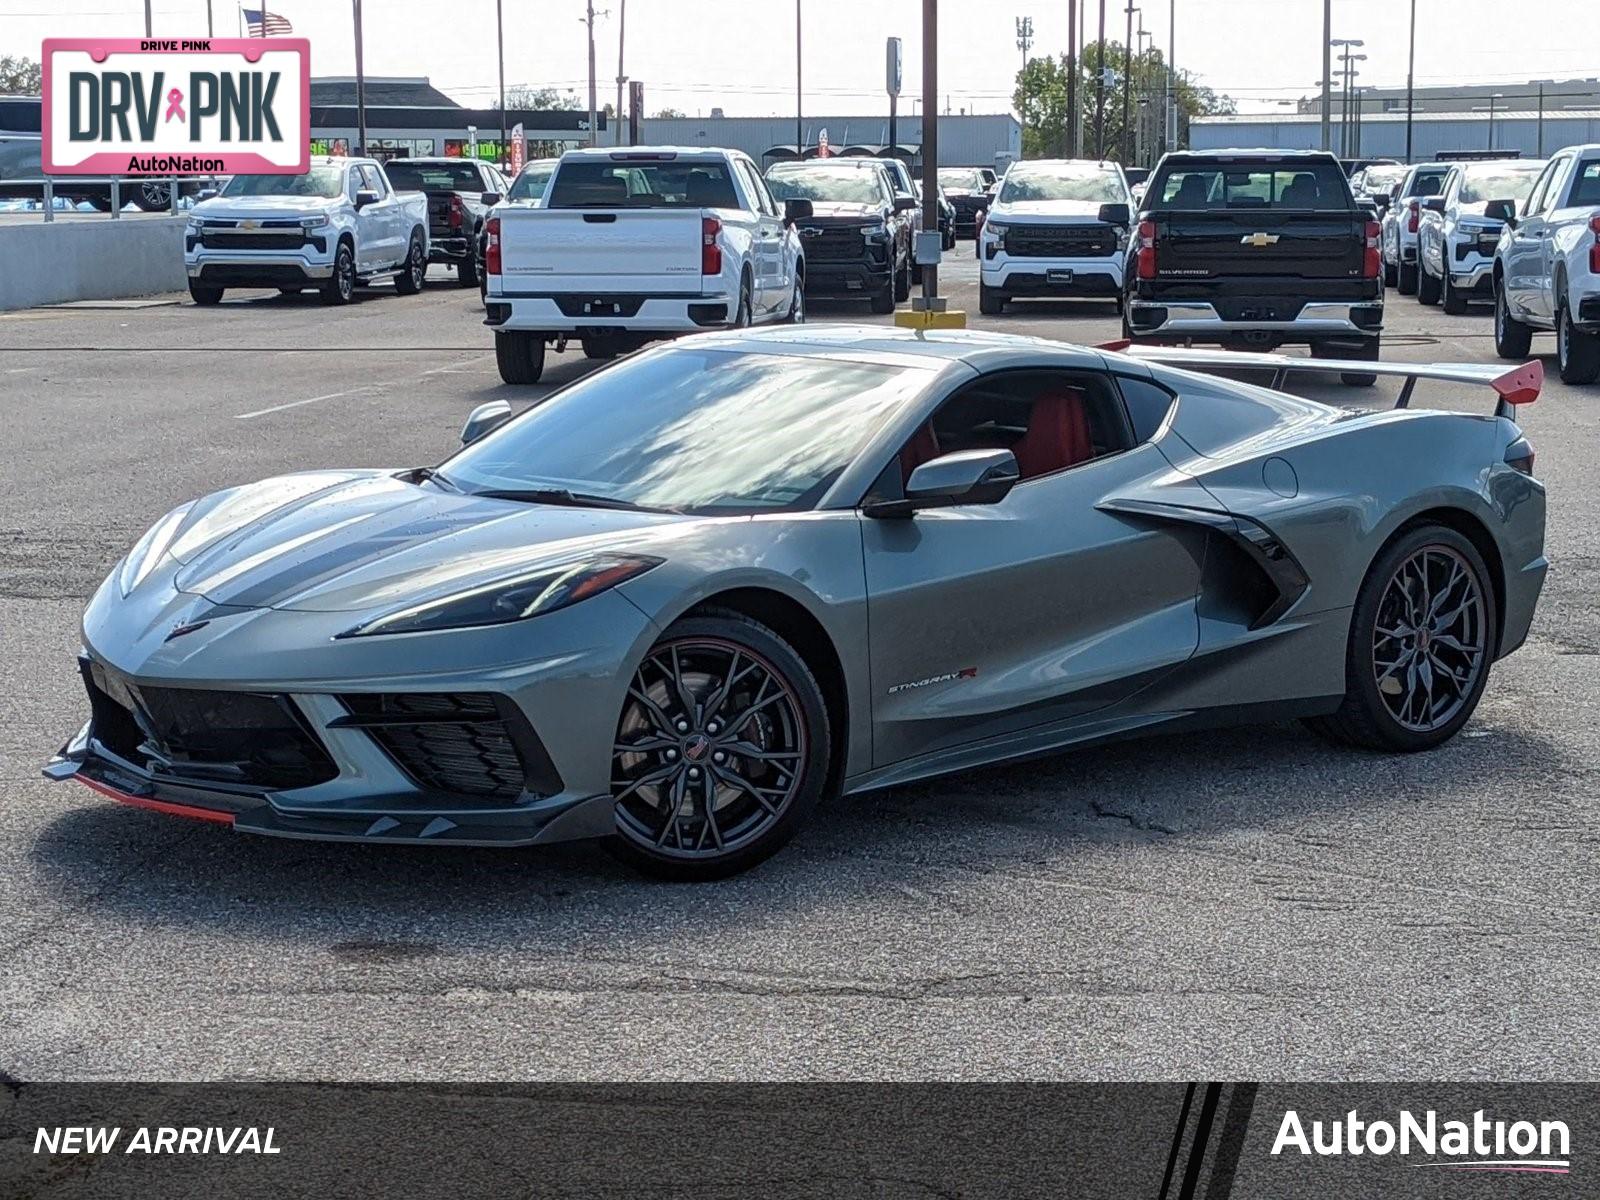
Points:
point(458, 743)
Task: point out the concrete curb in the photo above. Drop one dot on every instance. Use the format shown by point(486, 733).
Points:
point(90, 260)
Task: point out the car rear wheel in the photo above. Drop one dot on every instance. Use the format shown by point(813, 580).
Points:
point(519, 355)
point(1421, 640)
point(1405, 276)
point(1577, 353)
point(991, 301)
point(883, 298)
point(205, 295)
point(151, 196)
point(902, 282)
point(1454, 302)
point(467, 271)
point(1391, 275)
point(414, 270)
point(1512, 338)
point(601, 349)
point(721, 750)
point(1427, 286)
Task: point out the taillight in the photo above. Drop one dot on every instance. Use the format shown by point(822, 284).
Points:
point(458, 211)
point(491, 246)
point(1147, 250)
point(1413, 216)
point(1519, 456)
point(1594, 250)
point(710, 251)
point(1372, 264)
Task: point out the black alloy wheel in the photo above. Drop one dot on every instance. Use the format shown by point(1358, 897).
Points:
point(1512, 339)
point(414, 270)
point(340, 287)
point(720, 752)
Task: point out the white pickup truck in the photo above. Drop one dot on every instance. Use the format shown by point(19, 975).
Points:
point(1547, 266)
point(337, 226)
point(637, 244)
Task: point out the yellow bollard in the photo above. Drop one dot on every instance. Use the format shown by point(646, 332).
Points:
point(909, 318)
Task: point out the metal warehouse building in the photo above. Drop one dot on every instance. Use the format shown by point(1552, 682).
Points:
point(982, 140)
point(1384, 136)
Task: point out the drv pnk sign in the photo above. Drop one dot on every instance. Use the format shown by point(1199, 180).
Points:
point(165, 106)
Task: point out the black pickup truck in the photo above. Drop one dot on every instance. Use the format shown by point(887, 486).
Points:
point(460, 192)
point(1254, 249)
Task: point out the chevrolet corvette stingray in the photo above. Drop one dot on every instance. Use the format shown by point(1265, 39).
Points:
point(678, 602)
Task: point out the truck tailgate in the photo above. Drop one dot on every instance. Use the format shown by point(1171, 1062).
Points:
point(601, 250)
point(1259, 242)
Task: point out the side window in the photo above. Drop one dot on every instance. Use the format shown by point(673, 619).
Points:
point(752, 185)
point(1051, 420)
point(372, 179)
point(1586, 185)
point(1148, 405)
point(352, 182)
point(1535, 202)
point(763, 196)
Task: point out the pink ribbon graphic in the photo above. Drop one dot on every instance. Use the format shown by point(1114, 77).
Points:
point(175, 105)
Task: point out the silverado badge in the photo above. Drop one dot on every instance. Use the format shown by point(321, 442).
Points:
point(1258, 240)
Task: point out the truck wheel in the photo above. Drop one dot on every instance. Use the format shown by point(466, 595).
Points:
point(467, 271)
point(341, 285)
point(151, 196)
point(1405, 277)
point(205, 295)
point(1577, 353)
point(1369, 350)
point(902, 281)
point(602, 349)
point(1454, 302)
point(741, 316)
point(1391, 274)
point(991, 303)
point(519, 355)
point(414, 270)
point(883, 299)
point(797, 303)
point(1427, 286)
point(1512, 338)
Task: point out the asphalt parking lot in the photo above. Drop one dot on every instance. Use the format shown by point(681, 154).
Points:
point(1245, 904)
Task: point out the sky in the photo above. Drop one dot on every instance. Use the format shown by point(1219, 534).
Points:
point(739, 55)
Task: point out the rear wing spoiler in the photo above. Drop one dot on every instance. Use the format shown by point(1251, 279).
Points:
point(1513, 385)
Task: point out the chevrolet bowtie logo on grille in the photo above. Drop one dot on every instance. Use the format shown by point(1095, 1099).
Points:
point(1258, 240)
point(811, 233)
point(249, 224)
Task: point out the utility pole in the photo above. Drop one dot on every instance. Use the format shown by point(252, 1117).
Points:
point(361, 82)
point(147, 32)
point(1024, 41)
point(594, 115)
point(799, 105)
point(1327, 71)
point(1170, 102)
point(1127, 88)
point(1411, 67)
point(210, 30)
point(500, 38)
point(1540, 152)
point(1100, 90)
point(622, 27)
point(1072, 79)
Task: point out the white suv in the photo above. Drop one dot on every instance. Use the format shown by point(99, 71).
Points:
point(1455, 246)
point(1059, 229)
point(1402, 221)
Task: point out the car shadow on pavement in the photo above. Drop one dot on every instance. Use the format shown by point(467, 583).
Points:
point(1057, 816)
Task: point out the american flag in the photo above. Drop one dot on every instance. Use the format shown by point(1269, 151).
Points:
point(262, 23)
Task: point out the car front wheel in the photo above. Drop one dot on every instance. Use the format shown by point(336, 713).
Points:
point(341, 285)
point(1512, 338)
point(1427, 286)
point(1421, 640)
point(721, 751)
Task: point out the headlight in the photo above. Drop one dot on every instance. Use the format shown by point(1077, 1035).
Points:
point(313, 222)
point(195, 225)
point(513, 599)
point(149, 550)
point(995, 227)
point(875, 233)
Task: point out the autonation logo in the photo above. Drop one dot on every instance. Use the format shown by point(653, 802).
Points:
point(1480, 1144)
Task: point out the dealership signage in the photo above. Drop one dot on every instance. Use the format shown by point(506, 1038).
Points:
point(164, 106)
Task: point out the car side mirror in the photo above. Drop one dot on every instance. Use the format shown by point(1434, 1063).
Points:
point(797, 210)
point(208, 193)
point(964, 477)
point(1368, 205)
point(1433, 204)
point(905, 204)
point(365, 197)
point(1501, 210)
point(490, 199)
point(1116, 214)
point(485, 419)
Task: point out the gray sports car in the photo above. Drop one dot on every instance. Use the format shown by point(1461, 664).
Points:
point(685, 598)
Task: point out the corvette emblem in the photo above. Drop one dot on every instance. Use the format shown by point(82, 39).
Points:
point(1258, 240)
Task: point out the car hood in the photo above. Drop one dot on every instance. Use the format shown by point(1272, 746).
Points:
point(262, 207)
point(841, 209)
point(349, 541)
point(1048, 212)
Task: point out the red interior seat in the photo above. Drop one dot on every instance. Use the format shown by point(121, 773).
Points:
point(1058, 434)
point(923, 447)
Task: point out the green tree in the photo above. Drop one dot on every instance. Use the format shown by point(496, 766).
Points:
point(1041, 99)
point(545, 99)
point(670, 112)
point(19, 76)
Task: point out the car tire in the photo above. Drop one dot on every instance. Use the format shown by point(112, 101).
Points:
point(741, 807)
point(601, 349)
point(741, 315)
point(883, 298)
point(151, 196)
point(467, 271)
point(414, 271)
point(1512, 339)
point(991, 302)
point(204, 295)
point(902, 282)
point(1427, 286)
point(519, 355)
point(1391, 275)
point(340, 287)
point(1454, 302)
point(1577, 352)
point(1405, 276)
point(797, 302)
point(1382, 708)
point(1370, 351)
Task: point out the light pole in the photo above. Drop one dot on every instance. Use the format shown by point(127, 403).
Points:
point(1411, 66)
point(500, 38)
point(1327, 69)
point(1100, 90)
point(1024, 42)
point(1327, 86)
point(1346, 103)
point(1172, 78)
point(594, 116)
point(361, 82)
point(1072, 78)
point(622, 26)
point(799, 136)
point(1492, 99)
point(1127, 86)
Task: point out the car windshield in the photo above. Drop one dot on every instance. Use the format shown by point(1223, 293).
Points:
point(669, 183)
point(849, 185)
point(1380, 179)
point(437, 177)
point(1499, 182)
point(531, 183)
point(961, 179)
point(323, 180)
point(1093, 184)
point(1317, 185)
point(694, 430)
